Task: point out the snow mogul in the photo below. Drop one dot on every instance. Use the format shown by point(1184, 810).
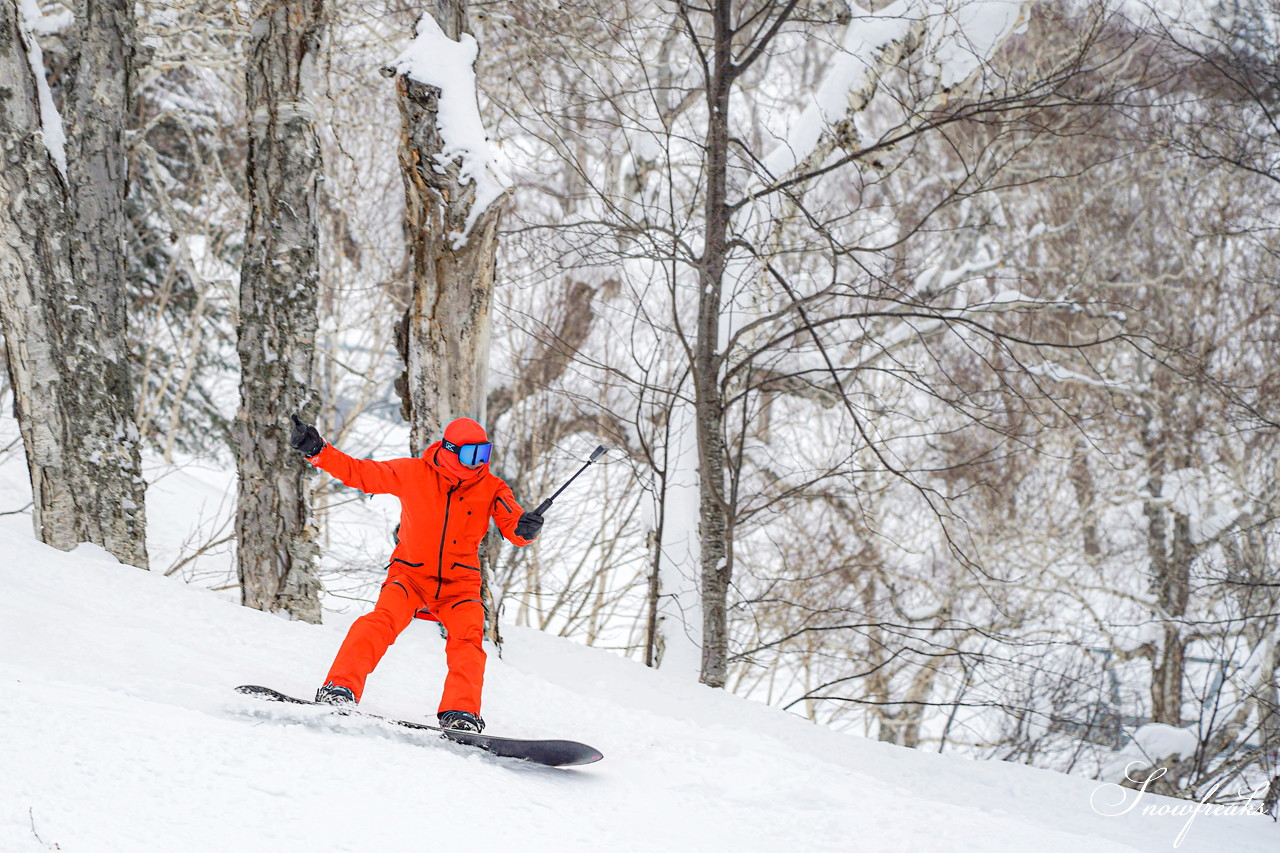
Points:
point(447, 497)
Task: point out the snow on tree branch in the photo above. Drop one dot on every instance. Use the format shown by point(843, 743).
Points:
point(954, 37)
point(434, 59)
point(55, 137)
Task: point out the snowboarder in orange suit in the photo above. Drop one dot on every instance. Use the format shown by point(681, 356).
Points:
point(447, 497)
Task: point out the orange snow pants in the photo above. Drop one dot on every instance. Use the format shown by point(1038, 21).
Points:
point(459, 609)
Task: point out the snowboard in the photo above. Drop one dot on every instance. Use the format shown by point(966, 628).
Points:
point(551, 753)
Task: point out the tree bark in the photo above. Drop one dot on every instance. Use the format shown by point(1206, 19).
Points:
point(1171, 553)
point(277, 551)
point(444, 337)
point(63, 302)
point(715, 536)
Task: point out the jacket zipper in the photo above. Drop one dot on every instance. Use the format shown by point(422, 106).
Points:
point(444, 532)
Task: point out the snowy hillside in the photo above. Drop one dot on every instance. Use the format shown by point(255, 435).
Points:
point(120, 731)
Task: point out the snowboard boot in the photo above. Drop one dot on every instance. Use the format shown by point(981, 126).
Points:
point(461, 721)
point(333, 694)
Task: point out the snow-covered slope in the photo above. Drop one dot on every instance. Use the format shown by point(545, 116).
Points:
point(119, 730)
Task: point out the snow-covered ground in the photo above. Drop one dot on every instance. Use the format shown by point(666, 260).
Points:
point(119, 730)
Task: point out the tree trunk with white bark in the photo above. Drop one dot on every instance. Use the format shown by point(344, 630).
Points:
point(62, 302)
point(714, 528)
point(275, 530)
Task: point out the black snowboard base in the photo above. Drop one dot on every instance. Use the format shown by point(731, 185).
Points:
point(552, 753)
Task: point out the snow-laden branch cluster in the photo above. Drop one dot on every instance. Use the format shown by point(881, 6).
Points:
point(955, 40)
point(434, 59)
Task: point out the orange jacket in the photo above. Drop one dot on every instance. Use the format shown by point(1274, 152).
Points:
point(444, 510)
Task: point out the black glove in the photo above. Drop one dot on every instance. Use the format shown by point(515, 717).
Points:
point(529, 526)
point(305, 438)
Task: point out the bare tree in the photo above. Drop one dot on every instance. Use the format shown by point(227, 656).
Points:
point(186, 211)
point(775, 225)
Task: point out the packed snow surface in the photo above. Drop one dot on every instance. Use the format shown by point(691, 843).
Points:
point(120, 731)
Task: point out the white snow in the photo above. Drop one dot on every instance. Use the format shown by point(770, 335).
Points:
point(1151, 745)
point(957, 39)
point(50, 25)
point(1206, 498)
point(55, 137)
point(120, 732)
point(679, 614)
point(864, 39)
point(968, 33)
point(434, 59)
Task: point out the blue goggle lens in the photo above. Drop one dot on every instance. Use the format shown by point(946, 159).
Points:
point(472, 455)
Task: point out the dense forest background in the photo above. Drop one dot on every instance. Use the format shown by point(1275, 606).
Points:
point(936, 342)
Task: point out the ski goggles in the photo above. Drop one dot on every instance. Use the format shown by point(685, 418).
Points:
point(471, 455)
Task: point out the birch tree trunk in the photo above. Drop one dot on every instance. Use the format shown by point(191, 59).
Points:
point(675, 612)
point(715, 536)
point(444, 337)
point(62, 270)
point(278, 312)
point(1171, 553)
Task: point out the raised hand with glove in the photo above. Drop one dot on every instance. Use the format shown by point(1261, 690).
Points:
point(305, 438)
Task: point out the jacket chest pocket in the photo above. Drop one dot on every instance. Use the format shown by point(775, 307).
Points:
point(469, 518)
